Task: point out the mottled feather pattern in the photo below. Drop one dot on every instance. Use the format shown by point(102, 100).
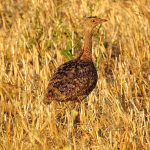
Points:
point(73, 80)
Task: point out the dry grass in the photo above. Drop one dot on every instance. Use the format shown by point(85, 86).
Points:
point(38, 35)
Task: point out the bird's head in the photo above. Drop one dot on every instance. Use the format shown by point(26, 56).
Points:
point(91, 22)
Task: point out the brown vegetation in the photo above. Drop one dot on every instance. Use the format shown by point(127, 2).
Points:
point(36, 37)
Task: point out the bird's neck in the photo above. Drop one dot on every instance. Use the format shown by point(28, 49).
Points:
point(87, 47)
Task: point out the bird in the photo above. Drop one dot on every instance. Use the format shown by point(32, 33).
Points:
point(75, 79)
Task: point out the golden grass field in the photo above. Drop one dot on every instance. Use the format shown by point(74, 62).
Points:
point(36, 36)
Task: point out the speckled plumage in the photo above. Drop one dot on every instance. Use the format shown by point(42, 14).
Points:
point(74, 80)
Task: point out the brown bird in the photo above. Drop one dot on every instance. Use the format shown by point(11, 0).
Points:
point(75, 79)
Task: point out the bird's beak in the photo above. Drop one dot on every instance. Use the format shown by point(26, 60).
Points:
point(100, 20)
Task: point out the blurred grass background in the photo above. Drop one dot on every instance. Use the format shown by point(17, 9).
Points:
point(36, 36)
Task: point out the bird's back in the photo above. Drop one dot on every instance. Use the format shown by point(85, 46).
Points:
point(73, 80)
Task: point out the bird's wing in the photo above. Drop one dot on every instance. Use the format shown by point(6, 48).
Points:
point(66, 82)
point(65, 70)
